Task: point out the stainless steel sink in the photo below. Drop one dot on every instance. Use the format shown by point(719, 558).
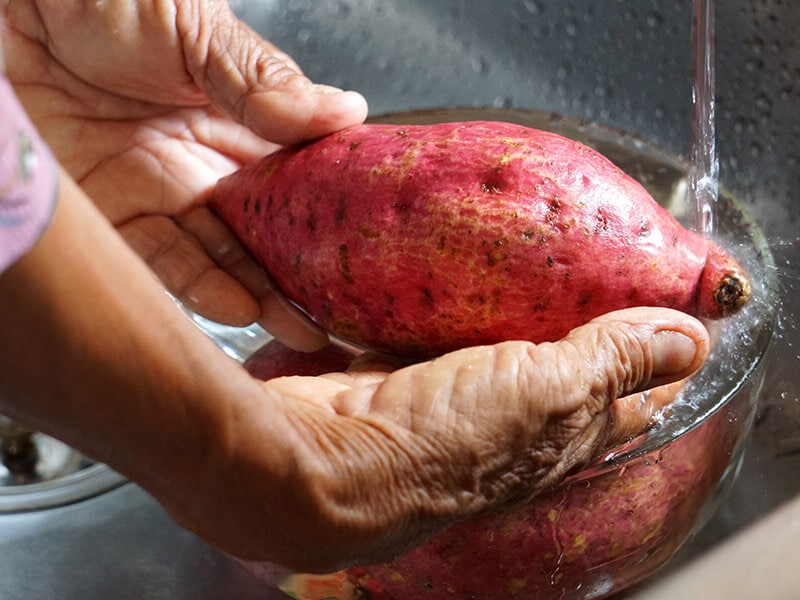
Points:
point(625, 63)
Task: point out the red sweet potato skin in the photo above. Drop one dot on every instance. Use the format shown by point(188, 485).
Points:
point(418, 240)
point(275, 359)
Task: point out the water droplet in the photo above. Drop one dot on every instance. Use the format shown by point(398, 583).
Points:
point(532, 7)
point(755, 45)
point(480, 65)
point(382, 63)
point(502, 102)
point(303, 35)
point(763, 103)
point(752, 65)
point(655, 20)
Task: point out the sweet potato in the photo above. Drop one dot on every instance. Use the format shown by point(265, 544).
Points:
point(274, 359)
point(417, 240)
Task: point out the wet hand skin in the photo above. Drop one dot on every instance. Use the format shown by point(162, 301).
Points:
point(383, 460)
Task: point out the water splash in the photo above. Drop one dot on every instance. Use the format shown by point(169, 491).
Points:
point(704, 169)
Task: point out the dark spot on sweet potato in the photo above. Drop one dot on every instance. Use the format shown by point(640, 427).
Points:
point(498, 252)
point(497, 297)
point(368, 232)
point(311, 219)
point(341, 212)
point(477, 298)
point(257, 208)
point(553, 217)
point(585, 299)
point(493, 182)
point(602, 222)
point(353, 145)
point(427, 297)
point(550, 261)
point(401, 206)
point(442, 243)
point(246, 204)
point(541, 306)
point(344, 263)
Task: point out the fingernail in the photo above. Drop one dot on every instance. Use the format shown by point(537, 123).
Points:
point(672, 352)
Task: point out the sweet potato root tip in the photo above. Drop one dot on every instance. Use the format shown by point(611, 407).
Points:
point(733, 292)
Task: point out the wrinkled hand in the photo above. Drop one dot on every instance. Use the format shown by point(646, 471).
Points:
point(147, 104)
point(382, 460)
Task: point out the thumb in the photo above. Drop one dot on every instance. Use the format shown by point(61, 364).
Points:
point(642, 348)
point(677, 344)
point(258, 85)
point(604, 363)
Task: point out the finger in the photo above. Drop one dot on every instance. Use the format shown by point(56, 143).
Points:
point(260, 87)
point(186, 270)
point(290, 325)
point(634, 414)
point(633, 351)
point(672, 344)
point(278, 316)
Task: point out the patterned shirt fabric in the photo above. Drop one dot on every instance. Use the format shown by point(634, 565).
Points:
point(28, 179)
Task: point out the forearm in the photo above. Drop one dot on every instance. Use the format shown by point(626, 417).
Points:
point(95, 353)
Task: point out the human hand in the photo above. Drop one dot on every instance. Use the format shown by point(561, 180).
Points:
point(380, 461)
point(147, 107)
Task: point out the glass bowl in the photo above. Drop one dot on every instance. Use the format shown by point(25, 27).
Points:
point(617, 521)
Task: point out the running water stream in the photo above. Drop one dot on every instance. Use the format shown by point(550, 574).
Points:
point(704, 167)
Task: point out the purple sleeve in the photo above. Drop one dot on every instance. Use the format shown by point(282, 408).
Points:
point(28, 179)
